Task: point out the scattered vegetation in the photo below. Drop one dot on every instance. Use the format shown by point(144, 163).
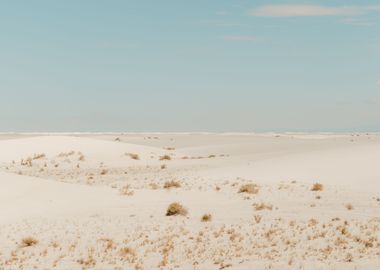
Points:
point(66, 154)
point(172, 184)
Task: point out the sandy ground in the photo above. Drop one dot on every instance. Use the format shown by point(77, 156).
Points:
point(250, 201)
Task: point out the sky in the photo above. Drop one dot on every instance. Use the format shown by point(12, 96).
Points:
point(182, 66)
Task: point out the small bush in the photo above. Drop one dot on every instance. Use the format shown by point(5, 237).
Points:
point(206, 218)
point(133, 156)
point(317, 187)
point(249, 188)
point(349, 206)
point(176, 209)
point(165, 157)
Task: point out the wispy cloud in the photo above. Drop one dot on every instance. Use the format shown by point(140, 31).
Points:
point(295, 10)
point(374, 101)
point(240, 38)
point(357, 22)
point(378, 82)
point(220, 23)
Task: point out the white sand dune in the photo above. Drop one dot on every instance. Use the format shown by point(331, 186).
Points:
point(88, 205)
point(53, 145)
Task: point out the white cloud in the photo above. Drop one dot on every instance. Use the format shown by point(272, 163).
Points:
point(378, 82)
point(240, 38)
point(294, 10)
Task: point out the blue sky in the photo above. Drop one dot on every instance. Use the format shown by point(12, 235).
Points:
point(189, 65)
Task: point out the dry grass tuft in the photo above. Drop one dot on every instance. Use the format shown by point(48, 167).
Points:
point(262, 206)
point(176, 209)
point(165, 157)
point(257, 218)
point(317, 187)
point(249, 188)
point(206, 218)
point(29, 242)
point(172, 184)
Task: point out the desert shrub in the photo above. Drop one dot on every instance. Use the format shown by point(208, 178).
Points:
point(175, 209)
point(165, 157)
point(263, 206)
point(249, 188)
point(28, 242)
point(349, 206)
point(206, 218)
point(317, 187)
point(133, 156)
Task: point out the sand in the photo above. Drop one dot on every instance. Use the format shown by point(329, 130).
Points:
point(99, 201)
